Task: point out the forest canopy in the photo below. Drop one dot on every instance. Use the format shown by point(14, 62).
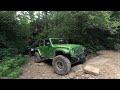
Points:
point(93, 29)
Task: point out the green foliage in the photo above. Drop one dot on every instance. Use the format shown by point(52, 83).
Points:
point(94, 29)
point(13, 40)
point(11, 66)
point(15, 73)
point(11, 31)
point(4, 53)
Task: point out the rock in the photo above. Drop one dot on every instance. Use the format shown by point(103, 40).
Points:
point(31, 77)
point(76, 68)
point(67, 77)
point(91, 70)
point(41, 64)
point(78, 73)
point(28, 71)
point(76, 78)
point(91, 78)
point(30, 64)
point(86, 76)
point(72, 75)
point(63, 77)
point(47, 76)
point(4, 78)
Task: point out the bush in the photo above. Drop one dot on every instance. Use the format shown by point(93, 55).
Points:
point(15, 73)
point(11, 66)
point(4, 52)
point(117, 47)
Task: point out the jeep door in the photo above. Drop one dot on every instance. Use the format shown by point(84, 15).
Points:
point(41, 47)
point(47, 49)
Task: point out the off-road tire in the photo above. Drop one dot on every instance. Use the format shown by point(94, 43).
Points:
point(29, 54)
point(66, 65)
point(37, 58)
point(82, 60)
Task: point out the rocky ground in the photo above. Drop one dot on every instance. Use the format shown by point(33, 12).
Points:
point(107, 61)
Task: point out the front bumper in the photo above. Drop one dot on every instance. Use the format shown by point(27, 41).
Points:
point(78, 57)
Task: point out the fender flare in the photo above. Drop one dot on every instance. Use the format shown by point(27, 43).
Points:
point(37, 50)
point(65, 51)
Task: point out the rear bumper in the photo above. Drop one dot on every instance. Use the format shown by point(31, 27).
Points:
point(78, 58)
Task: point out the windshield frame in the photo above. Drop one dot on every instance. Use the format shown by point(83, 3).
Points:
point(58, 38)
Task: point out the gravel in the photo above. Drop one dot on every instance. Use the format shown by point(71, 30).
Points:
point(107, 61)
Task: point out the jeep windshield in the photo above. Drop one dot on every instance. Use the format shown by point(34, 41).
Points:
point(59, 41)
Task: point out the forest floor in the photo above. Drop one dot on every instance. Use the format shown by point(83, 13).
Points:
point(107, 61)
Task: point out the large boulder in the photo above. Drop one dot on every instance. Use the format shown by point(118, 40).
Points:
point(92, 70)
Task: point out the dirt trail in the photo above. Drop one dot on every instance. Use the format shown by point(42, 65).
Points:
point(107, 61)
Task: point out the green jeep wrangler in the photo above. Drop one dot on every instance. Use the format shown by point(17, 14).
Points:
point(61, 53)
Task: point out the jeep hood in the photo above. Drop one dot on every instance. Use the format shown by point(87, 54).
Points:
point(68, 45)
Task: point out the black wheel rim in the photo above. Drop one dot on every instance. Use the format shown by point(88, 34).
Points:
point(60, 65)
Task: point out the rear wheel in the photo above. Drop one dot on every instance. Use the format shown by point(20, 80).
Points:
point(37, 58)
point(61, 65)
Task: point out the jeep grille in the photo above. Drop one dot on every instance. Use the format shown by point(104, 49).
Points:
point(78, 50)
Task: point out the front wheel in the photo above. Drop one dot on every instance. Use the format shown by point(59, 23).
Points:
point(61, 65)
point(83, 59)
